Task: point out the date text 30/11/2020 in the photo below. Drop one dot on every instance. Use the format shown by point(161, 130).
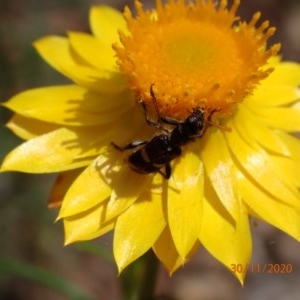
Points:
point(269, 268)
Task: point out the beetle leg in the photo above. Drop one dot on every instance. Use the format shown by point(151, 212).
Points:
point(148, 120)
point(167, 173)
point(170, 121)
point(128, 146)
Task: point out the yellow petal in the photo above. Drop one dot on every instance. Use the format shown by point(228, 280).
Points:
point(284, 118)
point(88, 190)
point(70, 105)
point(72, 147)
point(27, 128)
point(219, 168)
point(229, 242)
point(128, 187)
point(166, 252)
point(291, 142)
point(257, 133)
point(86, 226)
point(258, 164)
point(56, 52)
point(273, 95)
point(285, 73)
point(56, 151)
point(185, 202)
point(95, 52)
point(269, 209)
point(138, 228)
point(105, 23)
point(57, 104)
point(277, 142)
point(61, 186)
point(289, 170)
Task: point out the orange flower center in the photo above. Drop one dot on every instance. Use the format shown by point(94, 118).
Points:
point(194, 55)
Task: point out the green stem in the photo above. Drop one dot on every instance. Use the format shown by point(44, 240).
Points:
point(148, 277)
point(139, 279)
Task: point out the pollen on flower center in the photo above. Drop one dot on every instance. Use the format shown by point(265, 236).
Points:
point(194, 55)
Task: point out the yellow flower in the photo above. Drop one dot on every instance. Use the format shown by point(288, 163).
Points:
point(179, 57)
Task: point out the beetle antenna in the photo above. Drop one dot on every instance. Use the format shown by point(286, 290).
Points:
point(154, 100)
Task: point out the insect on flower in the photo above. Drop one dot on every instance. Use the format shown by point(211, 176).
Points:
point(154, 154)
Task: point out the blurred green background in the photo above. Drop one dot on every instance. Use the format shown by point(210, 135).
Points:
point(33, 262)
